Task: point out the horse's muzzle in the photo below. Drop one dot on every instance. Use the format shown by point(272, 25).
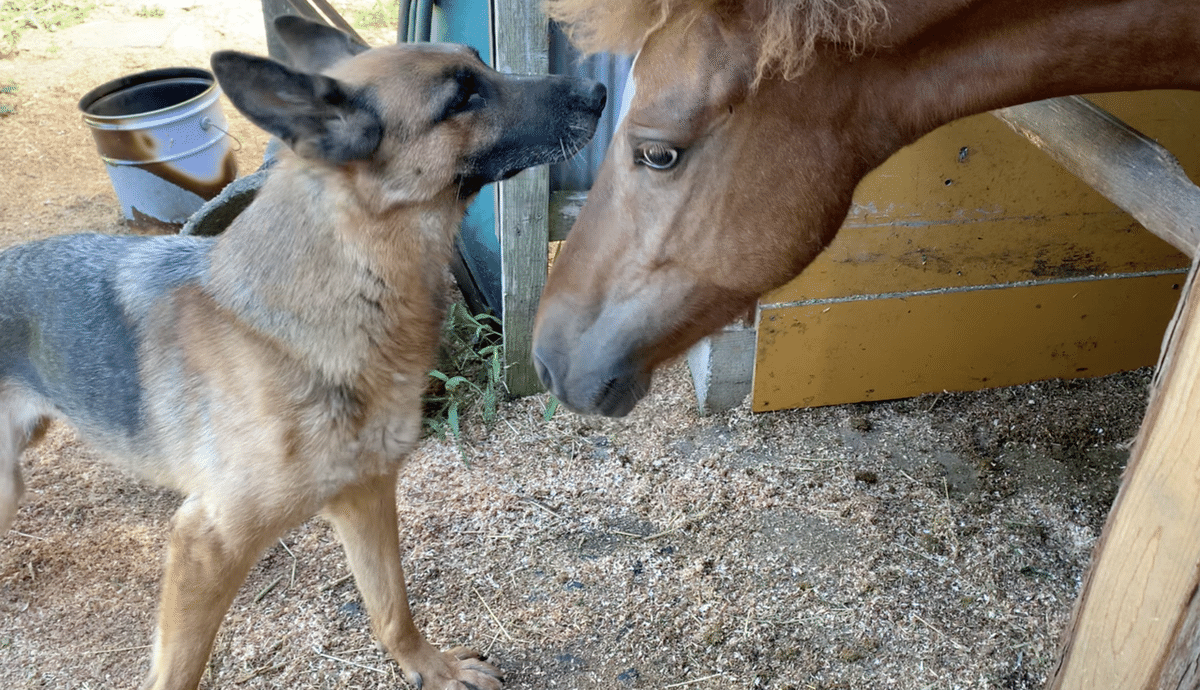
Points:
point(587, 384)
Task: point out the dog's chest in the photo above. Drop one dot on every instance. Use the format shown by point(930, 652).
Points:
point(354, 438)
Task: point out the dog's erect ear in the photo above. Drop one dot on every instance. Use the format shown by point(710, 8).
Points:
point(315, 115)
point(312, 47)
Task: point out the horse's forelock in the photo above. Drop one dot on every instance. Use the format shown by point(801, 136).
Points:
point(789, 31)
point(614, 26)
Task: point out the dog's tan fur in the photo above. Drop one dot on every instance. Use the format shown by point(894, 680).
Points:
point(285, 377)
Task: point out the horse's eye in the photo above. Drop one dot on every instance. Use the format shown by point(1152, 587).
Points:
point(656, 155)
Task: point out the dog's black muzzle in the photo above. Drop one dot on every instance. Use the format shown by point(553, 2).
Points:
point(546, 119)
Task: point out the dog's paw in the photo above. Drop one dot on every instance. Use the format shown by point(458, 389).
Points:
point(460, 668)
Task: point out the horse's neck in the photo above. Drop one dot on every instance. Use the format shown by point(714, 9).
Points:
point(953, 58)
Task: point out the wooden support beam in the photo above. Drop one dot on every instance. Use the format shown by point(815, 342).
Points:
point(315, 10)
point(1135, 624)
point(1127, 167)
point(521, 46)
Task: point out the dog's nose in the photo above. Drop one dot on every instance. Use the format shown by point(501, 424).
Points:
point(595, 96)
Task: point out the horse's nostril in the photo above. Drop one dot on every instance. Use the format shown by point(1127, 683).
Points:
point(606, 391)
point(544, 372)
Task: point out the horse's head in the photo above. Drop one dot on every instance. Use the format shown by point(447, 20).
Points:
point(715, 189)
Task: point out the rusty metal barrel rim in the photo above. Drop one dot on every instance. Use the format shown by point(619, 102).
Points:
point(146, 101)
point(162, 137)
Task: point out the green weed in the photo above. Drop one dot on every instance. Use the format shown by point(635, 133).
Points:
point(6, 108)
point(469, 376)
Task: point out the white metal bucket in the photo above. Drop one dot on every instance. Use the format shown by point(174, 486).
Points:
point(162, 136)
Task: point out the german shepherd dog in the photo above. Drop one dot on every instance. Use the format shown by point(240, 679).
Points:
point(276, 371)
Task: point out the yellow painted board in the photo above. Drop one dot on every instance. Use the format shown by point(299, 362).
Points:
point(903, 257)
point(973, 203)
point(977, 168)
point(947, 227)
point(831, 352)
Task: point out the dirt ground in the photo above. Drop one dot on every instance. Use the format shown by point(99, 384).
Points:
point(935, 542)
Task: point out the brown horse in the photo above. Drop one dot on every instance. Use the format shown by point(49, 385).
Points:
point(751, 125)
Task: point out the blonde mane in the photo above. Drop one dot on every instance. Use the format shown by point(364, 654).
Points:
point(789, 31)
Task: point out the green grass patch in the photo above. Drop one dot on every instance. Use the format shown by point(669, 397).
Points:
point(149, 11)
point(19, 16)
point(383, 14)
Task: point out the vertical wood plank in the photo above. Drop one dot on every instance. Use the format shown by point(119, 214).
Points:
point(722, 366)
point(1134, 627)
point(521, 46)
point(1182, 668)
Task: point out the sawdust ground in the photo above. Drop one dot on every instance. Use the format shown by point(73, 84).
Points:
point(936, 542)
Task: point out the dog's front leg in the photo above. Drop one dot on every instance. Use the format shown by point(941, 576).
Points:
point(208, 558)
point(365, 519)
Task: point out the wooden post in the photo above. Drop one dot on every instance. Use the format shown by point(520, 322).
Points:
point(521, 46)
point(1135, 624)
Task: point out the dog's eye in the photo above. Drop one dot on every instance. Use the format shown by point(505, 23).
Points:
point(656, 155)
point(466, 98)
point(463, 102)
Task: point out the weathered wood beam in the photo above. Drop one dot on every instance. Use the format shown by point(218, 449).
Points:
point(315, 10)
point(1126, 166)
point(521, 45)
point(1135, 624)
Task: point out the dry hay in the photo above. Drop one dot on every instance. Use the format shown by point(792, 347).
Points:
point(933, 542)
